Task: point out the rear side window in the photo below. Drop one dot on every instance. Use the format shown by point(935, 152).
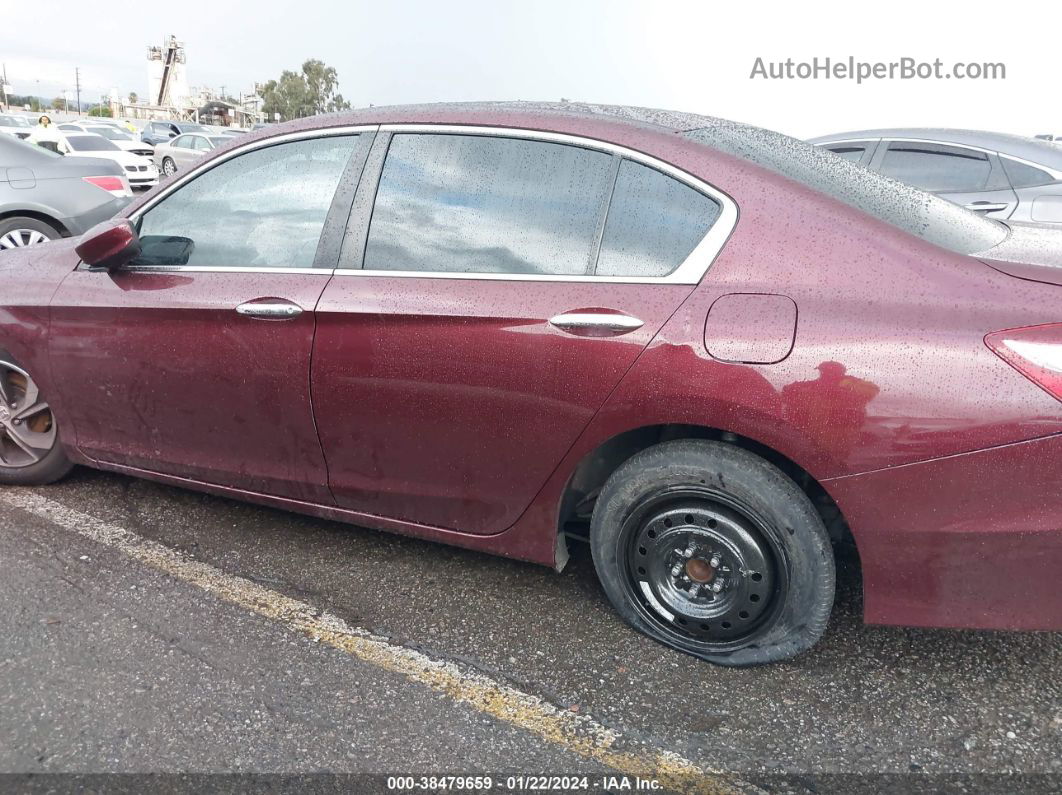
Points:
point(487, 204)
point(654, 222)
point(1022, 175)
point(263, 209)
point(937, 168)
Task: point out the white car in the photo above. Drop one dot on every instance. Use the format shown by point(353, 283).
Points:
point(17, 126)
point(123, 140)
point(112, 132)
point(139, 170)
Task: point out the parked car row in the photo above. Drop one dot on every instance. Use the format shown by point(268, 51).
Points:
point(157, 132)
point(115, 134)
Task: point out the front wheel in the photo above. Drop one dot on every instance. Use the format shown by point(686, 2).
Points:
point(169, 168)
point(30, 453)
point(712, 550)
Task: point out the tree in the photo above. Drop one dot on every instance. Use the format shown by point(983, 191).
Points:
point(58, 103)
point(20, 101)
point(100, 110)
point(133, 97)
point(305, 93)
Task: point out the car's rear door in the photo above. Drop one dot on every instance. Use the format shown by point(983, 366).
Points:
point(195, 360)
point(971, 177)
point(484, 309)
point(184, 153)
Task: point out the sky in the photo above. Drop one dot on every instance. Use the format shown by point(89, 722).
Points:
point(691, 56)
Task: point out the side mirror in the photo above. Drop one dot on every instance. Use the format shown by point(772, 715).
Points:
point(109, 245)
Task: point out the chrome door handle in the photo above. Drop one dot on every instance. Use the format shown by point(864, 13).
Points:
point(276, 310)
point(987, 207)
point(591, 322)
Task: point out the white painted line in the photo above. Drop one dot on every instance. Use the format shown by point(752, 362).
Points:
point(579, 734)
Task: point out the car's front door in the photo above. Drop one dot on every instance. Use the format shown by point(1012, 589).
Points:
point(497, 307)
point(195, 360)
point(970, 177)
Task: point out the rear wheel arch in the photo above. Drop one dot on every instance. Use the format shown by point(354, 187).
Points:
point(596, 467)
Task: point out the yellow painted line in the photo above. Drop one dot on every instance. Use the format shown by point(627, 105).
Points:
point(579, 734)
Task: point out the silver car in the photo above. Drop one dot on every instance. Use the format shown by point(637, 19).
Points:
point(999, 175)
point(45, 196)
point(180, 152)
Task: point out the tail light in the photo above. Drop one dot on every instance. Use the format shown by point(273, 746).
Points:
point(1034, 351)
point(117, 186)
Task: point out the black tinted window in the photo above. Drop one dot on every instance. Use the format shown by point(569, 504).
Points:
point(654, 222)
point(1022, 175)
point(937, 168)
point(487, 204)
point(263, 209)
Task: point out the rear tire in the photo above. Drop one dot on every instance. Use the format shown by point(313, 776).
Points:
point(20, 231)
point(713, 551)
point(31, 453)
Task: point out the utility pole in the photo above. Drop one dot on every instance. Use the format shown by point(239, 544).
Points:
point(77, 84)
point(3, 85)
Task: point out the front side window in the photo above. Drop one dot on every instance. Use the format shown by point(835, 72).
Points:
point(654, 222)
point(937, 168)
point(487, 204)
point(263, 209)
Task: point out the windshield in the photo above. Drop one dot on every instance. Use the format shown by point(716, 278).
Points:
point(12, 121)
point(219, 140)
point(110, 133)
point(187, 128)
point(922, 214)
point(90, 143)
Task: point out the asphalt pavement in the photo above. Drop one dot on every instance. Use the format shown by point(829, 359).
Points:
point(187, 633)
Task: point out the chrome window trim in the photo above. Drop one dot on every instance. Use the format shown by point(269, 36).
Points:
point(202, 168)
point(690, 272)
point(134, 216)
point(692, 269)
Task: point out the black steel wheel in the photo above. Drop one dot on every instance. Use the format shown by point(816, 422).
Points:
point(714, 551)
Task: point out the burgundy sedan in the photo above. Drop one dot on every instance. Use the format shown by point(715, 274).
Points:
point(712, 350)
